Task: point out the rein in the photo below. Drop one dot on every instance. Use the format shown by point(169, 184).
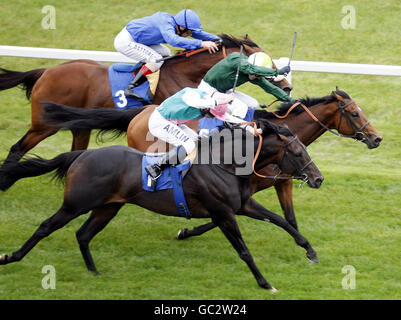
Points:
point(192, 52)
point(314, 118)
point(277, 176)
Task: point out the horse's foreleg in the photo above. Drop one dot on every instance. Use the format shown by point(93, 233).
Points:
point(229, 227)
point(197, 231)
point(98, 219)
point(284, 193)
point(255, 210)
point(57, 221)
point(80, 139)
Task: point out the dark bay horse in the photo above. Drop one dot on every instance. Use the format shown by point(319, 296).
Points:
point(85, 84)
point(337, 111)
point(103, 180)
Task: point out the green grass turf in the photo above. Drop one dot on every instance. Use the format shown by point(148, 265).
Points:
point(354, 219)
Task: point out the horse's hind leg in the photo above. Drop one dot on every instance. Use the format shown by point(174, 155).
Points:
point(80, 139)
point(57, 221)
point(98, 219)
point(197, 231)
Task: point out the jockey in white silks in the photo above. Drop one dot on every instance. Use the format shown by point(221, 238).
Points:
point(142, 40)
point(167, 122)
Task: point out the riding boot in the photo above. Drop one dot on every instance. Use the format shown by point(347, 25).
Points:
point(146, 69)
point(171, 158)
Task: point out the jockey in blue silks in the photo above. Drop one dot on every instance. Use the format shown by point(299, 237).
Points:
point(141, 39)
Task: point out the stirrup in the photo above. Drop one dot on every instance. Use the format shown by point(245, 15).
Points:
point(128, 93)
point(152, 171)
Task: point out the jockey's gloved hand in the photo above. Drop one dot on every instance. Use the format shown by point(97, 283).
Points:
point(284, 70)
point(231, 125)
point(204, 133)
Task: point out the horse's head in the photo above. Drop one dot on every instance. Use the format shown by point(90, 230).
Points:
point(289, 153)
point(233, 44)
point(352, 122)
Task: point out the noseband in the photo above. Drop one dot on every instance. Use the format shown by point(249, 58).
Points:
point(357, 132)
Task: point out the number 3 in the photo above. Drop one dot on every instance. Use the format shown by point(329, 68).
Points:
point(123, 100)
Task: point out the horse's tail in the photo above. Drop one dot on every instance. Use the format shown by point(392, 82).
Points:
point(105, 119)
point(10, 79)
point(11, 172)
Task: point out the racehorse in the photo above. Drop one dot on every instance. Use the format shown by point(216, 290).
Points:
point(337, 111)
point(85, 84)
point(103, 180)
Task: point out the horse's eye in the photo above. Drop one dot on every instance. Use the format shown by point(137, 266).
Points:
point(355, 114)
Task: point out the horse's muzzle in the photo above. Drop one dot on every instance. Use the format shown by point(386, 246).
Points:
point(315, 182)
point(371, 140)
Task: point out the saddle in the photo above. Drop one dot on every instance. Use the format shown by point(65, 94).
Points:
point(121, 75)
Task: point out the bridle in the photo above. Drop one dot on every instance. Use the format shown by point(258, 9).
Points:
point(357, 132)
point(299, 170)
point(284, 157)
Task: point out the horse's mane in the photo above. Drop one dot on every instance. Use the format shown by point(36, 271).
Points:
point(232, 42)
point(308, 102)
point(270, 128)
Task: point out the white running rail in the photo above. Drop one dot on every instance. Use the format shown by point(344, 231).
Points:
point(107, 56)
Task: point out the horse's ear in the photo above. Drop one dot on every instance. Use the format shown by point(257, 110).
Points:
point(337, 89)
point(337, 96)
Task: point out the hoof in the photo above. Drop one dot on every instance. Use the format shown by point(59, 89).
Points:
point(273, 290)
point(3, 258)
point(312, 257)
point(267, 286)
point(182, 234)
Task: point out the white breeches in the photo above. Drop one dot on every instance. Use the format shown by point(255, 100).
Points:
point(239, 107)
point(177, 135)
point(125, 44)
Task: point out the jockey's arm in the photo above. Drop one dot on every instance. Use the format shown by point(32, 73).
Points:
point(194, 99)
point(250, 69)
point(272, 89)
point(175, 40)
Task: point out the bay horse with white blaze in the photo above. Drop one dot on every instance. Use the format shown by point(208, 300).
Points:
point(103, 180)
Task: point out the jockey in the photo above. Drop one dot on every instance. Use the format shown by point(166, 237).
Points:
point(167, 122)
point(221, 77)
point(141, 39)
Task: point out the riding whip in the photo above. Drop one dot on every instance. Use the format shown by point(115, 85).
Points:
point(239, 65)
point(293, 46)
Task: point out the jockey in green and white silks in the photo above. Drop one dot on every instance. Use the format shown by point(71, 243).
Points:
point(167, 122)
point(142, 39)
point(254, 69)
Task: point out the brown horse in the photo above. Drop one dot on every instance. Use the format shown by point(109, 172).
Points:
point(333, 112)
point(85, 84)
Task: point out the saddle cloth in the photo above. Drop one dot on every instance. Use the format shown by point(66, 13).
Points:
point(171, 178)
point(120, 75)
